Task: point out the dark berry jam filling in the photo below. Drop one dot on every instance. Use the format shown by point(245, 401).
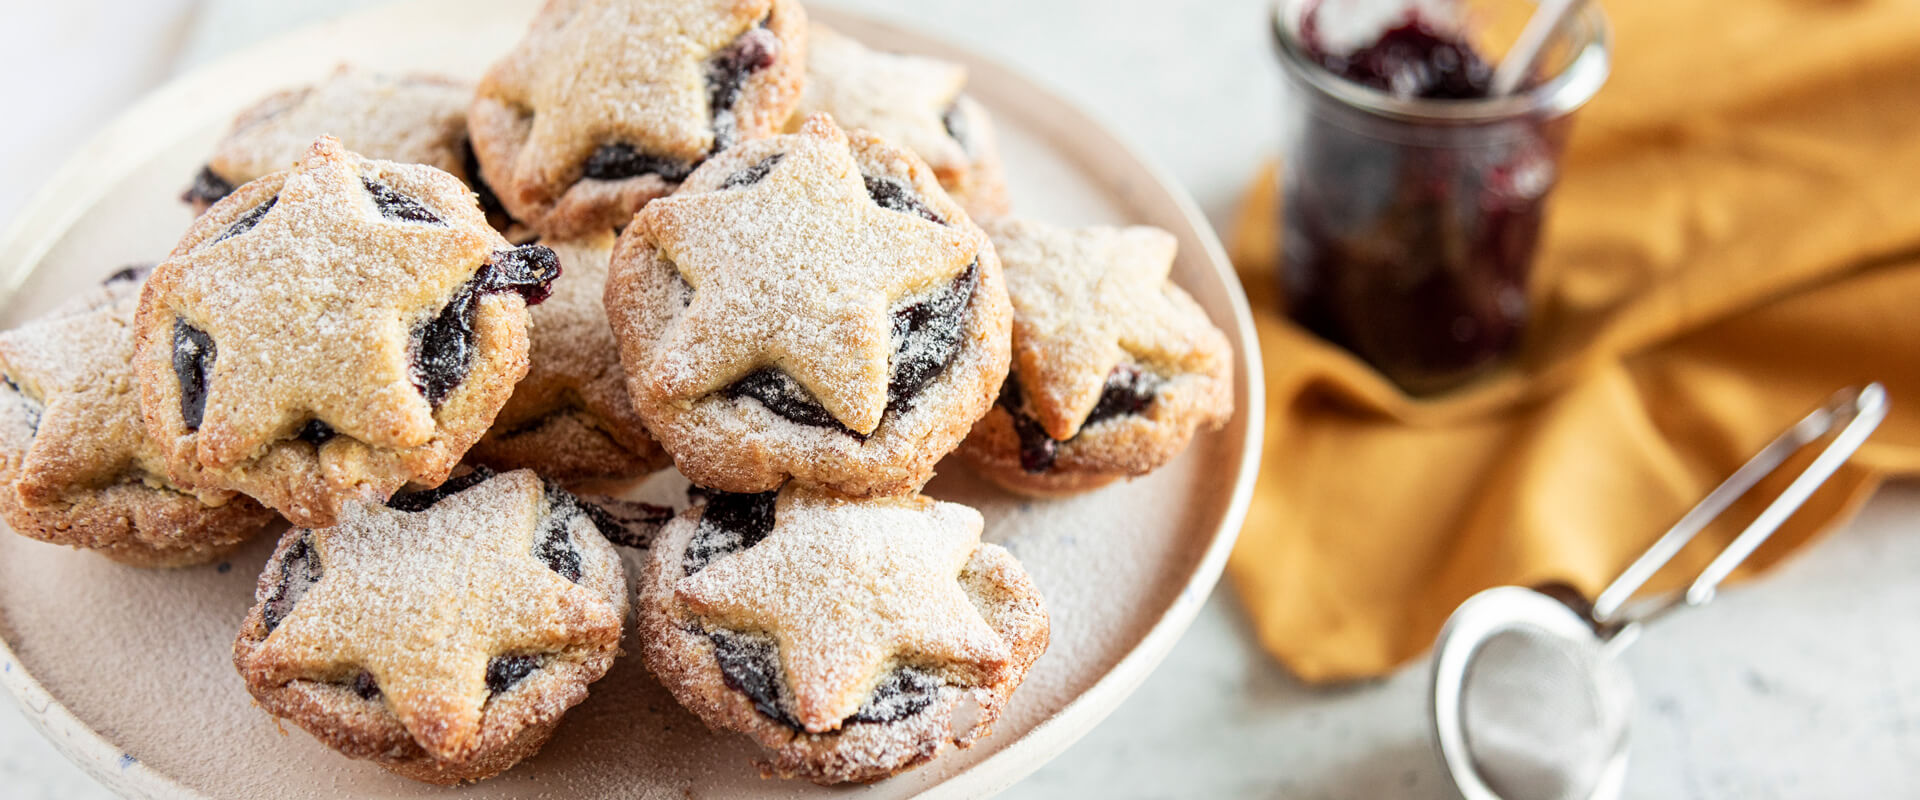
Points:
point(926, 337)
point(729, 523)
point(207, 188)
point(1128, 390)
point(316, 433)
point(442, 347)
point(131, 272)
point(299, 571)
point(397, 206)
point(894, 194)
point(619, 161)
point(193, 354)
point(754, 174)
point(32, 406)
point(902, 694)
point(418, 501)
point(625, 522)
point(364, 685)
point(555, 546)
point(482, 191)
point(750, 664)
point(506, 672)
point(1412, 59)
point(727, 73)
point(247, 221)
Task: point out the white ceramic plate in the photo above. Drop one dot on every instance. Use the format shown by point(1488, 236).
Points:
point(129, 672)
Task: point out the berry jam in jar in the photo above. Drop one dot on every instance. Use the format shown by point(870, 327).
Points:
point(1412, 197)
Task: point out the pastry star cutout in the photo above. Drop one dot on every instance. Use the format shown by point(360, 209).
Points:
point(1083, 299)
point(845, 587)
point(78, 364)
point(311, 310)
point(424, 600)
point(901, 98)
point(633, 71)
point(798, 271)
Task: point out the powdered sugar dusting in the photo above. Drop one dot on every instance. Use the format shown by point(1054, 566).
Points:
point(798, 271)
point(846, 587)
point(413, 119)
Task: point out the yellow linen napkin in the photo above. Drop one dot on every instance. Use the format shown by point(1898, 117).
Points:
point(1736, 234)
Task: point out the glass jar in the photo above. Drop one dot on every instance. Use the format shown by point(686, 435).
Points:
point(1409, 224)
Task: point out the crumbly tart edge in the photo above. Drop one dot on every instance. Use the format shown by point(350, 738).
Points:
point(684, 662)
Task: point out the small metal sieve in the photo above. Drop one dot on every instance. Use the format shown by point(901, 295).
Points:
point(1529, 699)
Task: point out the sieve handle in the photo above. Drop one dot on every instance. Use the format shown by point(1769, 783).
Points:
point(1855, 411)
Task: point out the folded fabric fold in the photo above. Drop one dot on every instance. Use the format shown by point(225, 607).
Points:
point(1736, 234)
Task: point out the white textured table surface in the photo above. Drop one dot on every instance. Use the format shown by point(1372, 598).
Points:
point(1800, 685)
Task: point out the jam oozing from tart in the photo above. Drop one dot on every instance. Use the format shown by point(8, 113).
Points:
point(506, 672)
point(754, 174)
point(442, 347)
point(207, 188)
point(1128, 390)
point(193, 355)
point(416, 502)
point(729, 523)
point(750, 664)
point(299, 571)
point(316, 433)
point(555, 546)
point(902, 694)
point(364, 685)
point(247, 221)
point(489, 202)
point(32, 406)
point(894, 194)
point(926, 337)
point(397, 206)
point(619, 161)
point(625, 522)
point(727, 73)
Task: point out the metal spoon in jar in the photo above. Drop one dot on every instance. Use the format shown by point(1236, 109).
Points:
point(1524, 56)
point(1529, 699)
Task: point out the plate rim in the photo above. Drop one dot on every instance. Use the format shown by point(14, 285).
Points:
point(141, 131)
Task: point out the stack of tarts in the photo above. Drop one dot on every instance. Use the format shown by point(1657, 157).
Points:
point(705, 234)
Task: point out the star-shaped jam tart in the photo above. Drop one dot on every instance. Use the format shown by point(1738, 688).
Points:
point(425, 600)
point(796, 270)
point(1086, 299)
point(614, 89)
point(363, 308)
point(849, 588)
point(74, 365)
point(905, 99)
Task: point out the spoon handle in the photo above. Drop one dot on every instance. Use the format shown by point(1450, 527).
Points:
point(1521, 59)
